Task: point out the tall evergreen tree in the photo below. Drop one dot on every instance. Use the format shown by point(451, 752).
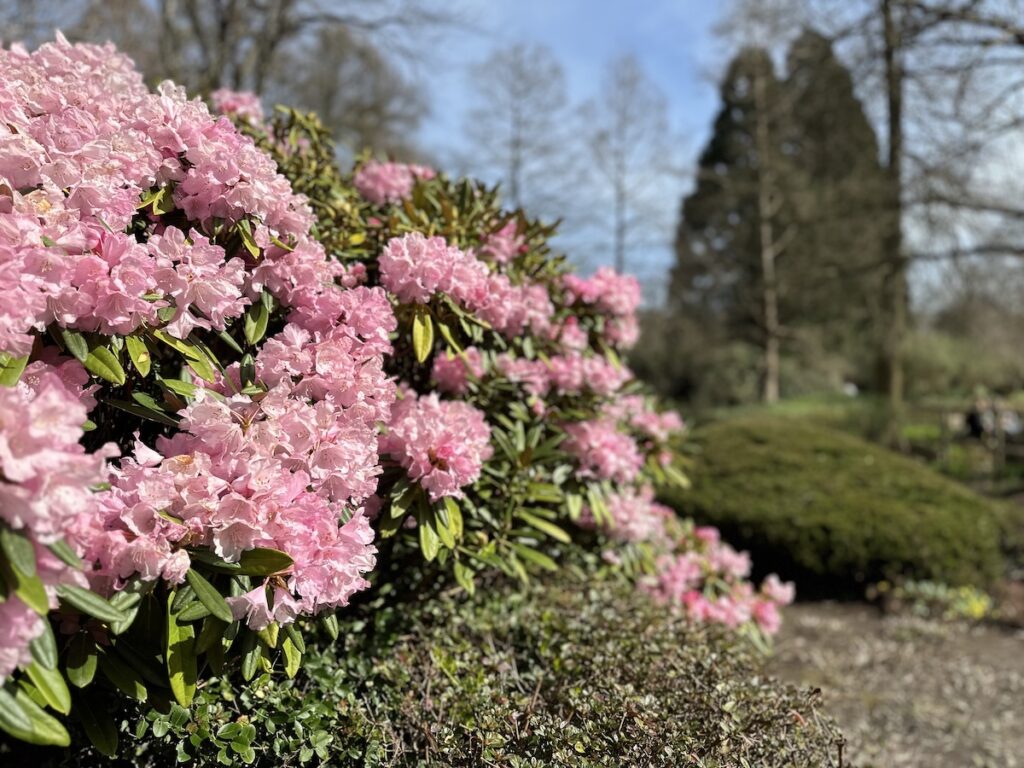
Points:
point(781, 239)
point(839, 190)
point(736, 225)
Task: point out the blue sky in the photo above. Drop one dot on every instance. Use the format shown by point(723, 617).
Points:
point(673, 40)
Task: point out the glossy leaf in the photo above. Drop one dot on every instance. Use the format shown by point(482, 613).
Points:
point(50, 683)
point(11, 369)
point(89, 603)
point(181, 657)
point(209, 596)
point(422, 335)
point(104, 363)
point(139, 354)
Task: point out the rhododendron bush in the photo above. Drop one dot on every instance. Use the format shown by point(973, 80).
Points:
point(241, 388)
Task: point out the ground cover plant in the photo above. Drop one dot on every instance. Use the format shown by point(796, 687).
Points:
point(243, 389)
point(836, 512)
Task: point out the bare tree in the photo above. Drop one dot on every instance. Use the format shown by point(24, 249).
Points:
point(626, 129)
point(946, 78)
point(518, 128)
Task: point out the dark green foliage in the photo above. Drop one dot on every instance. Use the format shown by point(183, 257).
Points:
point(582, 674)
point(785, 212)
point(835, 512)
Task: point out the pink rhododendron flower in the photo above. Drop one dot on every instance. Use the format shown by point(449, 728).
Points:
point(504, 245)
point(602, 451)
point(451, 371)
point(441, 444)
point(635, 515)
point(777, 591)
point(383, 183)
point(242, 104)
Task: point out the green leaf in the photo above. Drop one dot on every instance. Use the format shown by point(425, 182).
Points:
point(255, 323)
point(183, 388)
point(75, 343)
point(65, 553)
point(269, 634)
point(202, 368)
point(193, 612)
point(19, 550)
point(464, 577)
point(210, 634)
point(251, 654)
point(43, 729)
point(245, 232)
point(454, 516)
point(292, 657)
point(227, 339)
point(264, 561)
point(552, 530)
point(11, 368)
point(50, 683)
point(81, 660)
point(181, 657)
point(98, 724)
point(446, 334)
point(209, 596)
point(44, 647)
point(429, 541)
point(29, 589)
point(142, 411)
point(139, 354)
point(104, 363)
point(89, 603)
point(123, 676)
point(422, 334)
point(330, 624)
point(13, 718)
point(535, 557)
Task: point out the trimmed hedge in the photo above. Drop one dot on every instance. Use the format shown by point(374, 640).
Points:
point(834, 512)
point(584, 674)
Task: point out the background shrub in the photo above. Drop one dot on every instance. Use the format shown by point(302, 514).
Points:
point(834, 511)
point(571, 674)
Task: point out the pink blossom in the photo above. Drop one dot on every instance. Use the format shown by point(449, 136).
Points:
point(602, 451)
point(441, 444)
point(504, 245)
point(451, 371)
point(242, 104)
point(383, 183)
point(777, 591)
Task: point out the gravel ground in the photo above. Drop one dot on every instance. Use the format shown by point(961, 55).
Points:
point(908, 692)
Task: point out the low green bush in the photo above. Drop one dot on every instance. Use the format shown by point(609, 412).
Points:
point(582, 674)
point(835, 512)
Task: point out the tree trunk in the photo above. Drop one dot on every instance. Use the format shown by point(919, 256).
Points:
point(894, 285)
point(769, 280)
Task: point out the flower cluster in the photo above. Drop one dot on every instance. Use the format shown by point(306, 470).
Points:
point(707, 580)
point(452, 371)
point(635, 515)
point(45, 480)
point(383, 183)
point(603, 452)
point(441, 444)
point(83, 143)
point(241, 105)
point(278, 473)
point(616, 296)
point(504, 245)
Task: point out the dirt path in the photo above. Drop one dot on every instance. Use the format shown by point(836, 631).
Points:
point(910, 693)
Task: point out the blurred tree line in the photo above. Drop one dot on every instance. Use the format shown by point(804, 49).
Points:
point(868, 154)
